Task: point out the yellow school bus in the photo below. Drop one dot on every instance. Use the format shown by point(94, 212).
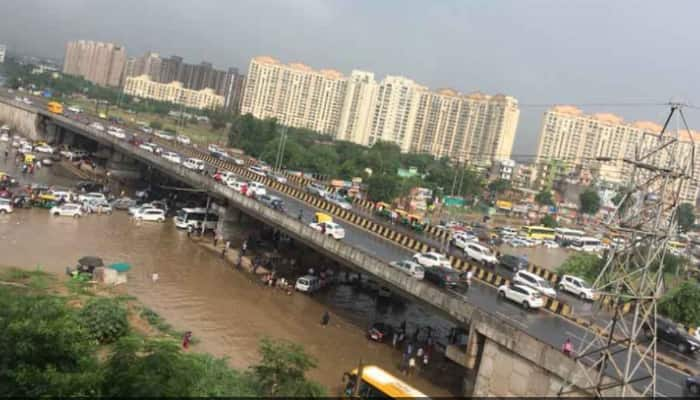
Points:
point(377, 383)
point(55, 107)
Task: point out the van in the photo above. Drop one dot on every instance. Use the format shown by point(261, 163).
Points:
point(307, 284)
point(410, 268)
point(529, 279)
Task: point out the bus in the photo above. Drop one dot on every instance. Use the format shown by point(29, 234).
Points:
point(194, 217)
point(563, 234)
point(537, 232)
point(589, 244)
point(377, 383)
point(55, 107)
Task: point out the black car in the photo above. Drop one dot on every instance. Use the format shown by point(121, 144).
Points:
point(513, 263)
point(379, 331)
point(692, 384)
point(669, 332)
point(441, 276)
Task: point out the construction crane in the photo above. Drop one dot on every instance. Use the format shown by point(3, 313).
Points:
point(621, 358)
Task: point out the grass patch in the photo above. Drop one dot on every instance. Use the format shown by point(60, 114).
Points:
point(79, 287)
point(156, 321)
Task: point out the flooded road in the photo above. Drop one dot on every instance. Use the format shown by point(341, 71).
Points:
point(198, 291)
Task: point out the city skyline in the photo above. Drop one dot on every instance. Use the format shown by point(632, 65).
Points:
point(545, 54)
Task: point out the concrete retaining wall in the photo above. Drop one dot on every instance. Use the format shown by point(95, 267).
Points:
point(22, 119)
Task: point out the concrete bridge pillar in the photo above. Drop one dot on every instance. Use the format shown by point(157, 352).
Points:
point(119, 165)
point(52, 133)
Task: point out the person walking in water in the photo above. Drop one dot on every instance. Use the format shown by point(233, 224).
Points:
point(186, 340)
point(325, 318)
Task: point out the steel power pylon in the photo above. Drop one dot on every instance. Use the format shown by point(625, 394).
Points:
point(620, 359)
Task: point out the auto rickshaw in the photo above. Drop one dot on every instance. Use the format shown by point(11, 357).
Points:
point(320, 217)
point(416, 222)
point(29, 158)
point(383, 209)
point(400, 215)
point(45, 200)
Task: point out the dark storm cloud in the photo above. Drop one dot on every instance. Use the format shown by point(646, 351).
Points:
point(539, 51)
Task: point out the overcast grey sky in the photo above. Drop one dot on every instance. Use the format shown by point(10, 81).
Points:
point(540, 51)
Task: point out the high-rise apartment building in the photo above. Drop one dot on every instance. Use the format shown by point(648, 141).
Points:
point(149, 64)
point(100, 63)
point(295, 94)
point(473, 128)
point(575, 139)
point(174, 92)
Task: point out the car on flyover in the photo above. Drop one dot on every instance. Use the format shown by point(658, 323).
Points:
point(523, 295)
point(67, 210)
point(172, 157)
point(339, 201)
point(432, 259)
point(329, 228)
point(182, 139)
point(577, 287)
point(317, 189)
point(673, 334)
point(480, 253)
point(409, 267)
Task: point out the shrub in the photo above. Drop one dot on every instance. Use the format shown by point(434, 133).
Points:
point(105, 320)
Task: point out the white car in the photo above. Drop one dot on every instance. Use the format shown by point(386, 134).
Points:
point(480, 253)
point(578, 287)
point(257, 170)
point(550, 244)
point(74, 109)
point(238, 186)
point(116, 132)
point(432, 259)
point(164, 135)
point(409, 267)
point(146, 129)
point(136, 209)
point(183, 139)
point(172, 157)
point(225, 176)
point(44, 148)
point(67, 210)
point(339, 201)
point(460, 240)
point(4, 137)
point(97, 126)
point(331, 229)
point(26, 101)
point(529, 279)
point(194, 164)
point(92, 196)
point(148, 147)
point(74, 154)
point(150, 214)
point(5, 206)
point(317, 189)
point(238, 162)
point(517, 242)
point(25, 148)
point(256, 189)
point(523, 295)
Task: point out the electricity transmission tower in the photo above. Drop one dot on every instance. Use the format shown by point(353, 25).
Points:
point(621, 359)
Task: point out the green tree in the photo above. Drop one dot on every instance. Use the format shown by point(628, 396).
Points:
point(618, 200)
point(686, 216)
point(583, 265)
point(544, 197)
point(548, 221)
point(499, 186)
point(157, 125)
point(282, 370)
point(44, 350)
point(383, 187)
point(105, 320)
point(384, 158)
point(589, 201)
point(682, 304)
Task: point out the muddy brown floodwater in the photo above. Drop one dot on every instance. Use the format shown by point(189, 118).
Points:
point(196, 291)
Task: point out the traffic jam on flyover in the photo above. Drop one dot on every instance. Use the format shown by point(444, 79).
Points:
point(519, 294)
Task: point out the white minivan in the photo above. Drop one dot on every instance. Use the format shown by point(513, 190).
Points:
point(194, 164)
point(409, 267)
point(529, 279)
point(307, 284)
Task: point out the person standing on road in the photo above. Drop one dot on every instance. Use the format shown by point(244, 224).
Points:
point(411, 365)
point(469, 279)
point(325, 318)
point(244, 247)
point(568, 348)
